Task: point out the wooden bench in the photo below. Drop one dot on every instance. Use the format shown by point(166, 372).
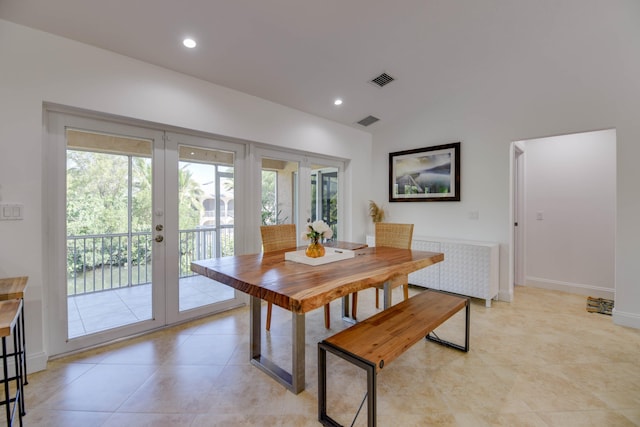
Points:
point(375, 342)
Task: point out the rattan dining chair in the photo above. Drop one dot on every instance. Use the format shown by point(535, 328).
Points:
point(277, 238)
point(395, 236)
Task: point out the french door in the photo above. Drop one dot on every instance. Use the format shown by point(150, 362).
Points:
point(297, 189)
point(131, 207)
point(205, 180)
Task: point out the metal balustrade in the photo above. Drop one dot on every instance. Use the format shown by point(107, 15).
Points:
point(103, 262)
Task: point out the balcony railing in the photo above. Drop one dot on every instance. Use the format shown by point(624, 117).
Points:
point(111, 261)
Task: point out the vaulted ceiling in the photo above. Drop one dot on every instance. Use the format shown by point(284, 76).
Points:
point(304, 54)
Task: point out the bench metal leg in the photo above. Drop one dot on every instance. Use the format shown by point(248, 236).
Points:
point(369, 368)
point(465, 347)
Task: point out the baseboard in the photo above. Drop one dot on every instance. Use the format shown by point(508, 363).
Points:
point(35, 362)
point(621, 318)
point(572, 288)
point(506, 296)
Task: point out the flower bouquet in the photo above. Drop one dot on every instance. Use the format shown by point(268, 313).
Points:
point(315, 232)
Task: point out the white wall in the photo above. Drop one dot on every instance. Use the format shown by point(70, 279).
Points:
point(582, 76)
point(40, 68)
point(570, 212)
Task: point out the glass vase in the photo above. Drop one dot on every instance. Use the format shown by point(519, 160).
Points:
point(315, 249)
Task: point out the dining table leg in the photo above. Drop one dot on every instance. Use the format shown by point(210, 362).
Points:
point(386, 291)
point(298, 351)
point(294, 380)
point(346, 311)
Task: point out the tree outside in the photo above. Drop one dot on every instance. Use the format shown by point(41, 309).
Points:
point(101, 234)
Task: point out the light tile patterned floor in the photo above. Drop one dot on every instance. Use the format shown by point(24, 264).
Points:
point(541, 360)
point(98, 311)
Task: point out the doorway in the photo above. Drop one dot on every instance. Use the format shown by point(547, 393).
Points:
point(569, 217)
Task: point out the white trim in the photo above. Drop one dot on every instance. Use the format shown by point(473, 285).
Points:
point(574, 288)
point(35, 363)
point(622, 318)
point(506, 296)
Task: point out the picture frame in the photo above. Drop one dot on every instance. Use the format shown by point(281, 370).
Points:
point(430, 174)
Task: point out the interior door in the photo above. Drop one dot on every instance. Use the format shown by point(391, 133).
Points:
point(518, 216)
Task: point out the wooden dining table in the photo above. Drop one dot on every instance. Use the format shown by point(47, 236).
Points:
point(300, 288)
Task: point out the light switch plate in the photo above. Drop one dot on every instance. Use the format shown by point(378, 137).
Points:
point(11, 211)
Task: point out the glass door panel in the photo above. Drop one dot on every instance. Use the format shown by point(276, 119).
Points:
point(324, 196)
point(204, 183)
point(298, 189)
point(279, 191)
point(108, 223)
point(206, 194)
point(105, 276)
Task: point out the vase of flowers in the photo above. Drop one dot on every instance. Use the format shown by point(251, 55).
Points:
point(315, 232)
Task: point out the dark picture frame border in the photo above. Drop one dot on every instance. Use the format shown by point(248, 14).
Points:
point(424, 152)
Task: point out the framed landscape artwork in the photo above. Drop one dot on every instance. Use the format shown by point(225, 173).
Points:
point(430, 174)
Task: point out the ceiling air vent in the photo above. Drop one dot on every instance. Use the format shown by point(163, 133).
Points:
point(382, 80)
point(369, 120)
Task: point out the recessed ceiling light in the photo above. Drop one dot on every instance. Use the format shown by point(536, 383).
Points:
point(190, 43)
point(337, 102)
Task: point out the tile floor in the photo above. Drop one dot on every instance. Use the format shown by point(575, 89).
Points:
point(99, 311)
point(541, 360)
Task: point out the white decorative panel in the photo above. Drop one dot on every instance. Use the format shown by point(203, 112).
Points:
point(469, 268)
point(371, 240)
point(465, 269)
point(429, 277)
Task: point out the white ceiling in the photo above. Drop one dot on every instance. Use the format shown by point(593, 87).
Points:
point(303, 54)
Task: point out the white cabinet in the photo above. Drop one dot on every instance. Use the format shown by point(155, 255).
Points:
point(469, 268)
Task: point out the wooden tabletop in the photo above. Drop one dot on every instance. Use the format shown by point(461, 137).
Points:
point(8, 315)
point(301, 288)
point(12, 287)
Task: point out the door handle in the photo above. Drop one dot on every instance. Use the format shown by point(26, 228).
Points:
point(159, 238)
